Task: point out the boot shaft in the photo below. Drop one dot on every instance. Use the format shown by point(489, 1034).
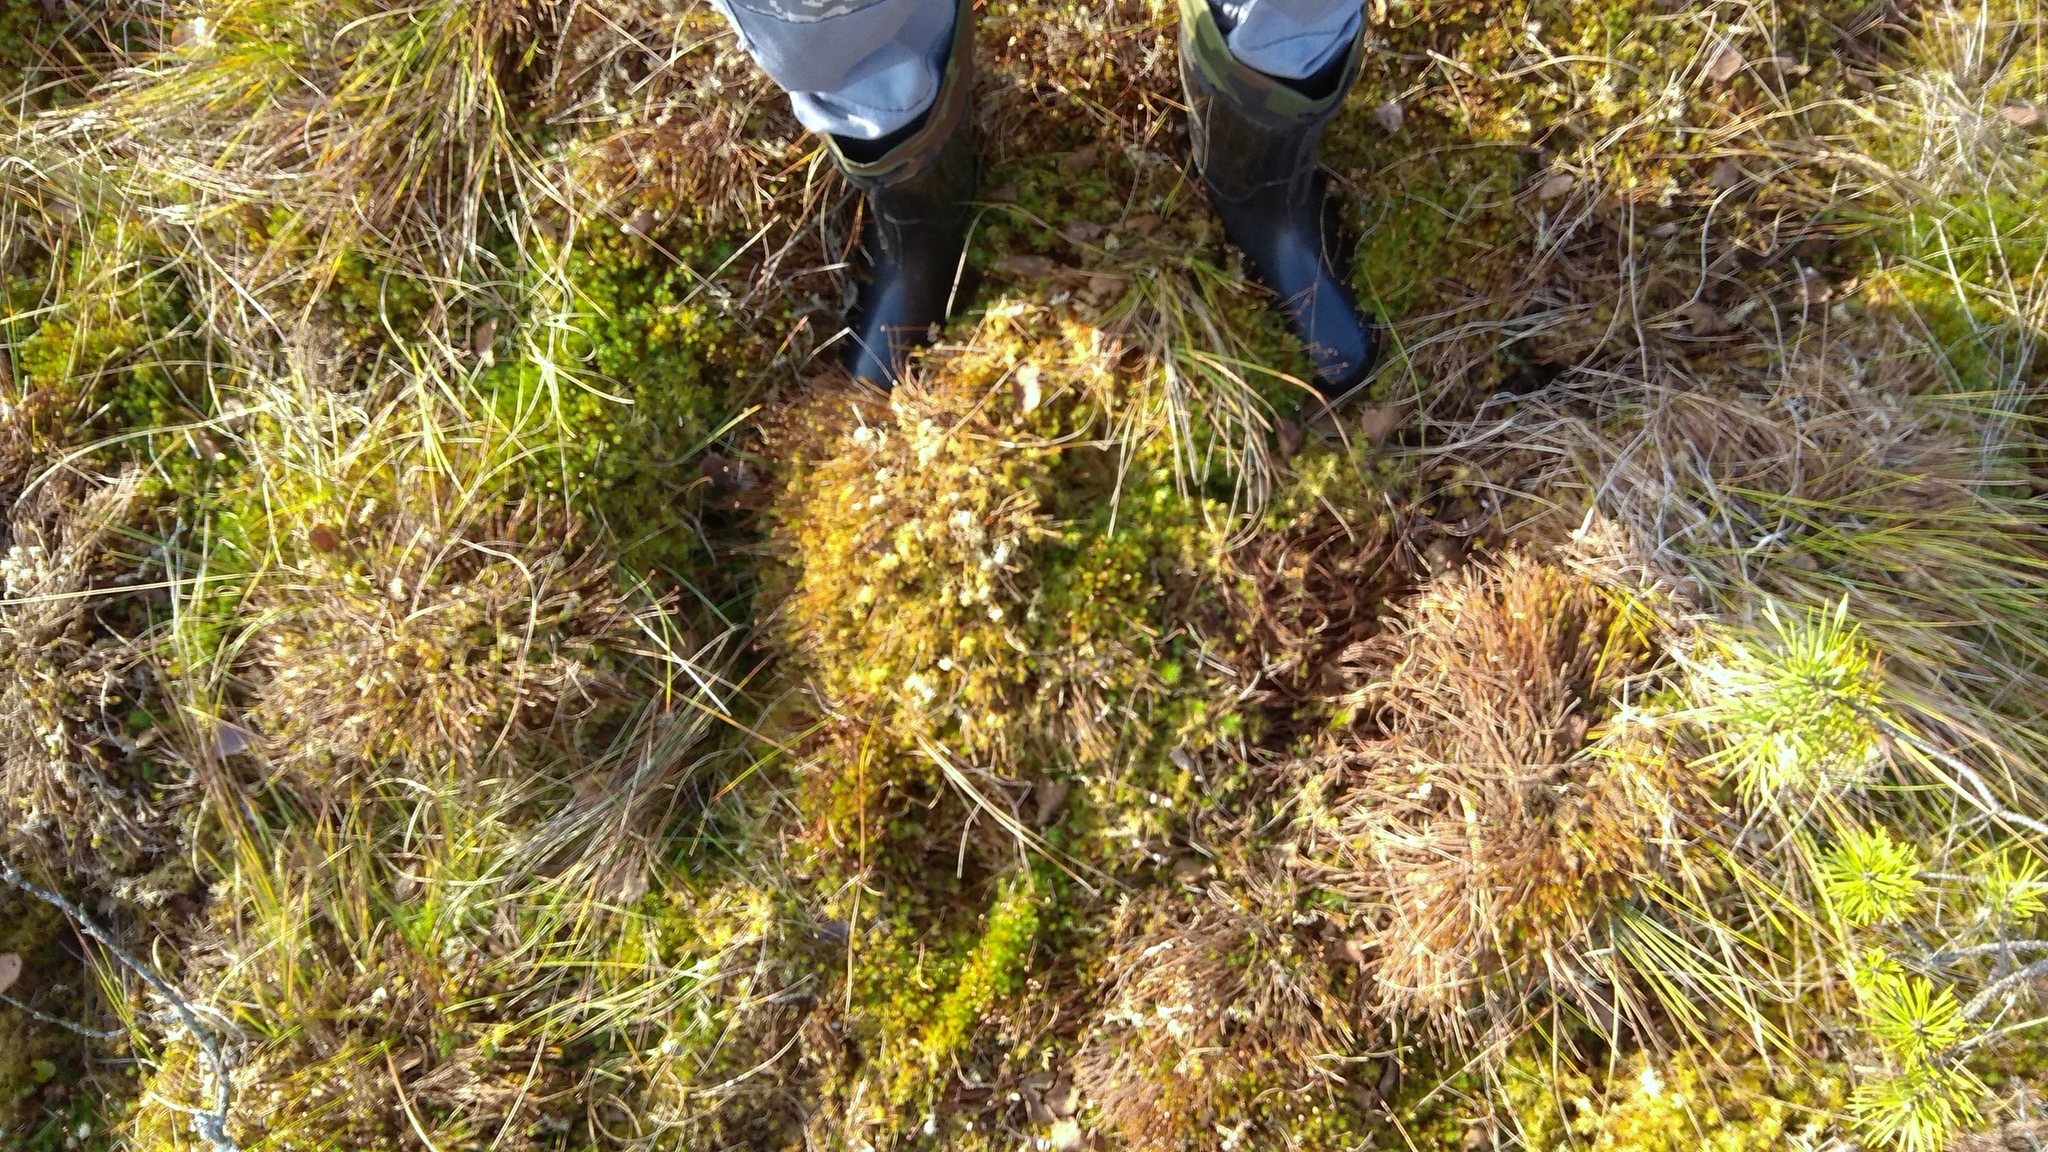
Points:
point(1249, 131)
point(936, 142)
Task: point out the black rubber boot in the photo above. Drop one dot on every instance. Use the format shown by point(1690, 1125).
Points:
point(918, 182)
point(1255, 141)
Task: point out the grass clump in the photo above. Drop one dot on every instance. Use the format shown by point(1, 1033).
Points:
point(1508, 807)
point(1227, 1019)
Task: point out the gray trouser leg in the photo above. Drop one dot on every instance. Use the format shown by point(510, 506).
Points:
point(851, 68)
point(864, 68)
point(1290, 39)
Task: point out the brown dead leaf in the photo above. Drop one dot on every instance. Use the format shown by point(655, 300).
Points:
point(1049, 795)
point(230, 740)
point(1079, 160)
point(1556, 186)
point(1028, 267)
point(1702, 319)
point(484, 343)
point(1726, 63)
point(323, 539)
point(1081, 231)
point(1143, 223)
point(1290, 437)
point(10, 969)
point(2020, 114)
point(1379, 421)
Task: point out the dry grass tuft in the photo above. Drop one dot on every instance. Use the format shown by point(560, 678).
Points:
point(429, 641)
point(69, 762)
point(1504, 810)
point(1227, 1011)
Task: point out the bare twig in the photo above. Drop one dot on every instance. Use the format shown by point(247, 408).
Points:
point(1992, 991)
point(59, 1021)
point(210, 1124)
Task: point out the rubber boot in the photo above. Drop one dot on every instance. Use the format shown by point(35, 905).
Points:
point(918, 181)
point(1255, 139)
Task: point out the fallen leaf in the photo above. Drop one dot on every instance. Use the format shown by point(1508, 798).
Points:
point(1049, 794)
point(1814, 289)
point(1081, 231)
point(1290, 437)
point(484, 343)
point(1379, 421)
point(1726, 174)
point(642, 222)
point(1026, 267)
point(1079, 160)
point(1007, 194)
point(1726, 63)
point(1703, 319)
point(1143, 223)
point(323, 539)
point(1063, 1098)
point(1556, 186)
point(1389, 116)
point(10, 969)
point(2020, 114)
point(1104, 284)
point(230, 740)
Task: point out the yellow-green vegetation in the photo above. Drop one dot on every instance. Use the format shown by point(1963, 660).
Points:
point(474, 676)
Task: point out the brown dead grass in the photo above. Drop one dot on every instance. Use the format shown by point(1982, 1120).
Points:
point(416, 640)
point(1227, 1010)
point(1502, 812)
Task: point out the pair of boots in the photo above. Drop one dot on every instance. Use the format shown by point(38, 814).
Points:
point(1255, 140)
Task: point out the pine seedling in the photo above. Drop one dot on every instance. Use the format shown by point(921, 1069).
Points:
point(1914, 1020)
point(1872, 968)
point(1917, 1110)
point(1872, 878)
point(2013, 888)
point(1801, 713)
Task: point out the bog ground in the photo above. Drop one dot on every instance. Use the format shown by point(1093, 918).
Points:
point(473, 676)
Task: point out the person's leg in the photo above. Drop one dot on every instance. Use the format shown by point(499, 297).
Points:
point(1255, 136)
point(888, 85)
point(1291, 39)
